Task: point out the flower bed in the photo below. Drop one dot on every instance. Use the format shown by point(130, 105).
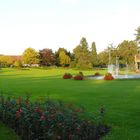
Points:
point(108, 76)
point(67, 76)
point(49, 120)
point(79, 76)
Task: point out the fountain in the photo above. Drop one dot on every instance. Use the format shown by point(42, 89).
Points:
point(114, 70)
point(126, 72)
point(117, 66)
point(110, 69)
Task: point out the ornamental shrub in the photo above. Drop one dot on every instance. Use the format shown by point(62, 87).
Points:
point(97, 74)
point(108, 76)
point(81, 73)
point(79, 76)
point(50, 120)
point(67, 76)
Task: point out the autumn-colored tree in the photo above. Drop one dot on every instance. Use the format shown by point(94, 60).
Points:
point(30, 56)
point(46, 57)
point(6, 61)
point(64, 59)
point(57, 58)
point(17, 63)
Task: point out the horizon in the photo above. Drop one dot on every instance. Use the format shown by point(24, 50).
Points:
point(62, 23)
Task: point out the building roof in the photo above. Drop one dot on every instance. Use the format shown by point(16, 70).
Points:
point(15, 57)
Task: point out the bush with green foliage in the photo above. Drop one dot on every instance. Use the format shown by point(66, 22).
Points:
point(97, 74)
point(79, 76)
point(49, 120)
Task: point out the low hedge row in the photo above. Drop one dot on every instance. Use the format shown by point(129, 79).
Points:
point(49, 120)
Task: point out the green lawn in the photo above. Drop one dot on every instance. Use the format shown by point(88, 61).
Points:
point(6, 133)
point(121, 98)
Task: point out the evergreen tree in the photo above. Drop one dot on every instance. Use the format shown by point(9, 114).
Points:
point(94, 59)
point(82, 55)
point(138, 35)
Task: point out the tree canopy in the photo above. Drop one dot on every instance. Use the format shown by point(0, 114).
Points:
point(46, 57)
point(138, 35)
point(82, 55)
point(94, 56)
point(30, 56)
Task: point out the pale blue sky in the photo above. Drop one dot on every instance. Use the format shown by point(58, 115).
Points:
point(62, 23)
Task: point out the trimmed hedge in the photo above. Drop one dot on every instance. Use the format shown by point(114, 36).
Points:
point(108, 76)
point(67, 76)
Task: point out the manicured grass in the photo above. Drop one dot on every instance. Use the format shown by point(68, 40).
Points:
point(119, 97)
point(6, 133)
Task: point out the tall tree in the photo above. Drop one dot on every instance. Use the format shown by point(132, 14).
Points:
point(127, 50)
point(82, 55)
point(108, 56)
point(30, 56)
point(46, 57)
point(56, 55)
point(6, 61)
point(138, 35)
point(94, 59)
point(64, 58)
point(103, 58)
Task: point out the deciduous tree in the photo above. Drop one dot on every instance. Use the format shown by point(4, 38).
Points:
point(64, 58)
point(30, 56)
point(127, 50)
point(46, 57)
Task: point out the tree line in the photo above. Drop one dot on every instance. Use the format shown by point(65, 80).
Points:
point(82, 57)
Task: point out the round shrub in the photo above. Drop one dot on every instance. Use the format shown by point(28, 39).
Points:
point(67, 76)
point(78, 77)
point(97, 74)
point(81, 73)
point(108, 76)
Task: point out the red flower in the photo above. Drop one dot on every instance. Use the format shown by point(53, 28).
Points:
point(67, 76)
point(27, 102)
point(78, 110)
point(37, 110)
point(108, 76)
point(78, 128)
point(42, 118)
point(78, 77)
point(20, 111)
